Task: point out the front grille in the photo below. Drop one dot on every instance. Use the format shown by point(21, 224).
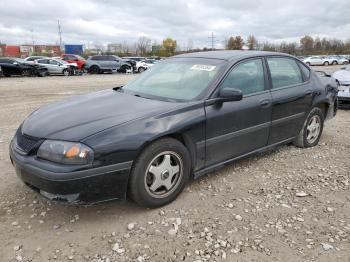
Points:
point(27, 143)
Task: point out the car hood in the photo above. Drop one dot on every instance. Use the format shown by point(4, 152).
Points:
point(81, 116)
point(342, 75)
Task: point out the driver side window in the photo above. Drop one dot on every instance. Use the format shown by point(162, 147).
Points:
point(247, 76)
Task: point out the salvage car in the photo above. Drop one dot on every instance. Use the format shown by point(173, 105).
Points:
point(16, 66)
point(57, 67)
point(343, 79)
point(72, 58)
point(184, 117)
point(107, 63)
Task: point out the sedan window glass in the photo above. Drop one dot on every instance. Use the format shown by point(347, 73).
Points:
point(305, 70)
point(247, 76)
point(284, 72)
point(176, 79)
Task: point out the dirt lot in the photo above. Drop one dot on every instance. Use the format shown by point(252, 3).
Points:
point(290, 204)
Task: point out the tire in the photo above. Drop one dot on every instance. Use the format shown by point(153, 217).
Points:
point(65, 72)
point(305, 137)
point(345, 62)
point(141, 69)
point(26, 72)
point(163, 156)
point(124, 68)
point(326, 63)
point(308, 63)
point(334, 63)
point(95, 70)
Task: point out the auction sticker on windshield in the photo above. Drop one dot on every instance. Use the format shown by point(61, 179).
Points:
point(203, 67)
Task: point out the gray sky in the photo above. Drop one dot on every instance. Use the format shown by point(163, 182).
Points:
point(113, 21)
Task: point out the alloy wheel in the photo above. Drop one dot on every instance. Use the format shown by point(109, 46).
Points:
point(164, 174)
point(313, 129)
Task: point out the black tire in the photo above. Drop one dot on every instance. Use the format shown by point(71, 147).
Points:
point(334, 63)
point(308, 63)
point(302, 139)
point(26, 72)
point(141, 69)
point(124, 68)
point(65, 72)
point(95, 70)
point(140, 191)
point(345, 62)
point(326, 63)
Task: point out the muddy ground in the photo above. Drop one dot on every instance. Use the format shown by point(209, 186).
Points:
point(289, 204)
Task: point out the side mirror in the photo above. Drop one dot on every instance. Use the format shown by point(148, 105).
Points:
point(230, 94)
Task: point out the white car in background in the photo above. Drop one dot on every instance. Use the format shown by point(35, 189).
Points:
point(141, 66)
point(314, 60)
point(55, 66)
point(343, 79)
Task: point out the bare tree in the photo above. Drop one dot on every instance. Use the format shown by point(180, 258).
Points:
point(143, 44)
point(252, 42)
point(125, 47)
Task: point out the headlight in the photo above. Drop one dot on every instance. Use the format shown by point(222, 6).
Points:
point(66, 152)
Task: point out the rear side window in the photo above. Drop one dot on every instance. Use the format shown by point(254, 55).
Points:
point(284, 72)
point(247, 76)
point(305, 71)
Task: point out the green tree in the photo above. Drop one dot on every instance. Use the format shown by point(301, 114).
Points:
point(169, 46)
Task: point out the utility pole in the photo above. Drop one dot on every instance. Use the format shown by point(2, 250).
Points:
point(59, 33)
point(212, 38)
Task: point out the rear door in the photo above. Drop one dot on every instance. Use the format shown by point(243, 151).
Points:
point(291, 97)
point(239, 127)
point(46, 62)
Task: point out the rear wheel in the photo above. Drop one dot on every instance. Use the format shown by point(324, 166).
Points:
point(124, 69)
point(334, 63)
point(160, 173)
point(311, 131)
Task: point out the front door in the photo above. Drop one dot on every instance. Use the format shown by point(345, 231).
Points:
point(239, 127)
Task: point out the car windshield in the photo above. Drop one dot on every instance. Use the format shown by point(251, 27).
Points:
point(177, 79)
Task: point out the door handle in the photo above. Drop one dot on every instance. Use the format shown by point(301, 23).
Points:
point(265, 103)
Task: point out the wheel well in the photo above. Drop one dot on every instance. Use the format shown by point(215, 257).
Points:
point(324, 107)
point(179, 137)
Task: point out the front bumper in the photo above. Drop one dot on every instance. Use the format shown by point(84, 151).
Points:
point(76, 186)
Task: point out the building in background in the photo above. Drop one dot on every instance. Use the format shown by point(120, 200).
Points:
point(73, 49)
point(114, 48)
point(2, 49)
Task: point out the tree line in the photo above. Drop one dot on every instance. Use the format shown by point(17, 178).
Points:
point(307, 45)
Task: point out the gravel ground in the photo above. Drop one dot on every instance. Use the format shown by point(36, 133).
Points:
point(289, 204)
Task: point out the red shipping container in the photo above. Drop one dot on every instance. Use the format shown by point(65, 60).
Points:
point(12, 51)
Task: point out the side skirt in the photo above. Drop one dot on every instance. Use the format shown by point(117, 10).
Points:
point(220, 165)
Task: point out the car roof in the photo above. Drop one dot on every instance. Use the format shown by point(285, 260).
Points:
point(229, 54)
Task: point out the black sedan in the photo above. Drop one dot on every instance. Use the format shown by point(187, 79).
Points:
point(185, 117)
point(15, 66)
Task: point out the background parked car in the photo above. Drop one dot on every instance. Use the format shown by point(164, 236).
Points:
point(16, 66)
point(80, 61)
point(107, 63)
point(141, 66)
point(150, 62)
point(338, 60)
point(31, 59)
point(343, 79)
point(314, 60)
point(56, 67)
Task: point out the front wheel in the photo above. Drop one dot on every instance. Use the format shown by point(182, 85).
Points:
point(311, 131)
point(160, 173)
point(65, 72)
point(326, 63)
